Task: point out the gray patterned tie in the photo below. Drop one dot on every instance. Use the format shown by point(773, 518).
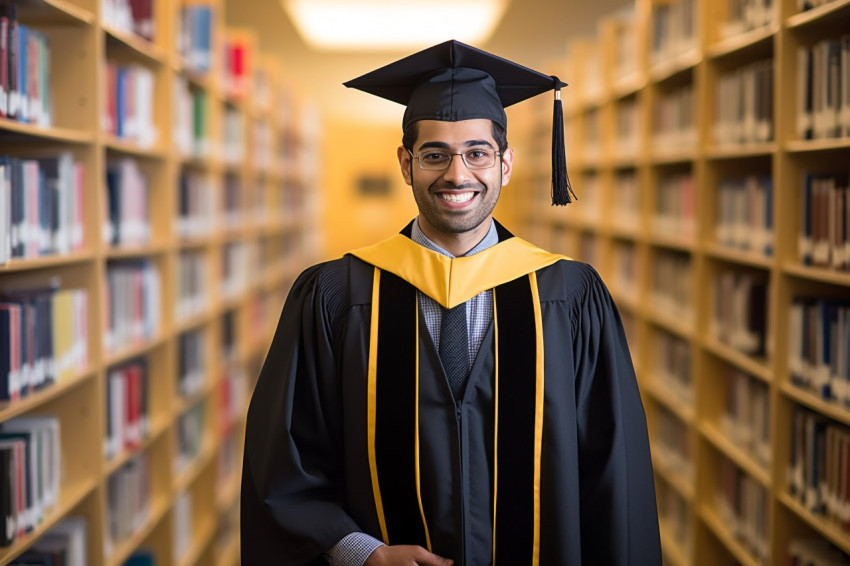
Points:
point(454, 349)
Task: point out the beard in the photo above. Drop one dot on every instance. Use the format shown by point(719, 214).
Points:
point(455, 221)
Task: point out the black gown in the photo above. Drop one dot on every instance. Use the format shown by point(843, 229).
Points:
point(572, 458)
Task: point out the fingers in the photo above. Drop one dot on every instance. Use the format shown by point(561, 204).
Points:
point(405, 555)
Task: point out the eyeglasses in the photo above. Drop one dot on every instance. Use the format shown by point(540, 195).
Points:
point(432, 160)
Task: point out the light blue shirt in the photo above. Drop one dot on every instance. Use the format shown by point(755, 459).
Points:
point(355, 548)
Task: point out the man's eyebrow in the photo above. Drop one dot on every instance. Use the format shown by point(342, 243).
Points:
point(444, 145)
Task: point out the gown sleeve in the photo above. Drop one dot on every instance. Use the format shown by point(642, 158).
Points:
point(292, 476)
point(619, 521)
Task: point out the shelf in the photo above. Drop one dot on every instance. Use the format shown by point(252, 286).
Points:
point(19, 132)
point(743, 257)
point(821, 145)
point(230, 555)
point(759, 39)
point(741, 151)
point(52, 12)
point(122, 551)
point(672, 402)
point(682, 485)
point(682, 327)
point(832, 410)
point(831, 11)
point(682, 63)
point(130, 147)
point(46, 262)
point(673, 156)
point(129, 42)
point(743, 459)
point(158, 425)
point(755, 367)
point(204, 537)
point(732, 544)
point(834, 534)
point(9, 410)
point(134, 351)
point(187, 477)
point(819, 274)
point(680, 242)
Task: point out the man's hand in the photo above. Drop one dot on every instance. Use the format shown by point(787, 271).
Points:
point(404, 555)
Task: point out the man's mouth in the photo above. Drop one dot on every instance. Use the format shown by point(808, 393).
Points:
point(457, 197)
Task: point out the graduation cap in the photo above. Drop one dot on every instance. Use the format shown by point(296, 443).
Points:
point(453, 81)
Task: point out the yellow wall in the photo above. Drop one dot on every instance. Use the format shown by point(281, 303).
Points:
point(349, 220)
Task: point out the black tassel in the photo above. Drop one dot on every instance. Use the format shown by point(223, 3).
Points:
point(561, 188)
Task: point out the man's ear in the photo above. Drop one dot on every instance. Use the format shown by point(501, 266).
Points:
point(404, 159)
point(507, 164)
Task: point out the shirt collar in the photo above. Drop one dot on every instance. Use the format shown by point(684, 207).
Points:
point(489, 239)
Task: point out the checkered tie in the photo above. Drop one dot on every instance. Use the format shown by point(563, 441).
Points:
point(454, 348)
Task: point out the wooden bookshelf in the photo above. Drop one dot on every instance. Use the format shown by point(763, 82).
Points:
point(621, 150)
point(247, 237)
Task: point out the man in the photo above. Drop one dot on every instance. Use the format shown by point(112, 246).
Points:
point(452, 395)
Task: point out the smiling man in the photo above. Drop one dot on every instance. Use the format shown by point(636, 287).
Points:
point(453, 394)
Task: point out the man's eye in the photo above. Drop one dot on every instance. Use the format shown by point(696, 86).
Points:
point(477, 154)
point(434, 156)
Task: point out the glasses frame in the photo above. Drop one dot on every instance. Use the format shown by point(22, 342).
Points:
point(418, 157)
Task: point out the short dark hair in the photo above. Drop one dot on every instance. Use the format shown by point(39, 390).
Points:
point(412, 132)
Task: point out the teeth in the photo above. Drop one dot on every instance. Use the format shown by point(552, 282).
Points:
point(457, 197)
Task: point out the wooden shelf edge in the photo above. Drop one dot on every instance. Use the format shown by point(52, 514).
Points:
point(53, 133)
point(122, 551)
point(740, 457)
point(820, 274)
point(672, 550)
point(670, 401)
point(199, 542)
point(832, 410)
point(802, 19)
point(750, 365)
point(742, 41)
point(72, 10)
point(46, 262)
point(836, 536)
point(141, 46)
point(158, 427)
point(732, 544)
point(9, 410)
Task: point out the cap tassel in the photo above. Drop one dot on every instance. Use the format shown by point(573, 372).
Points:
point(561, 188)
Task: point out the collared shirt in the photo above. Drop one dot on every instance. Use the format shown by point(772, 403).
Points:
point(355, 548)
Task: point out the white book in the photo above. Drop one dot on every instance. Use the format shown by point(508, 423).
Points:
point(5, 216)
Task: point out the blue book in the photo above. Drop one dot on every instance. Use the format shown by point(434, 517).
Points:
point(23, 106)
point(200, 49)
point(120, 100)
point(767, 183)
point(806, 243)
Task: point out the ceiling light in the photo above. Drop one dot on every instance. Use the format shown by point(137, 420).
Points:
point(385, 24)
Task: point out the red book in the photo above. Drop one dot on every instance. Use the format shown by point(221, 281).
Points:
point(133, 375)
point(4, 61)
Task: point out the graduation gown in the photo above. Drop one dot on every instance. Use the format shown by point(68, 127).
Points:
point(545, 459)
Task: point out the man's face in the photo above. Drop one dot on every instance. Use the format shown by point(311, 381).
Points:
point(458, 199)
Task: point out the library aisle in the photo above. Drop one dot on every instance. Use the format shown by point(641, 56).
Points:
point(157, 176)
point(709, 145)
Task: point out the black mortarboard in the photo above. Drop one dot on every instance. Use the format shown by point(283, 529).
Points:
point(453, 81)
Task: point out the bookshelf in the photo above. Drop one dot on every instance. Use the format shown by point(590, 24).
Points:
point(182, 210)
point(710, 191)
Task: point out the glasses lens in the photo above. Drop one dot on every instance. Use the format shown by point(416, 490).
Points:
point(479, 158)
point(434, 160)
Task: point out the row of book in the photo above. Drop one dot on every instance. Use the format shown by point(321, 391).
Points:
point(65, 544)
point(191, 366)
point(815, 552)
point(41, 205)
point(674, 516)
point(804, 5)
point(237, 65)
point(43, 339)
point(819, 468)
point(744, 105)
point(672, 365)
point(746, 414)
point(128, 218)
point(127, 407)
point(25, 85)
point(673, 29)
point(739, 319)
point(196, 203)
point(674, 120)
point(129, 111)
point(182, 524)
point(745, 15)
point(626, 202)
point(193, 276)
point(232, 398)
point(742, 504)
point(235, 139)
point(744, 218)
point(671, 445)
point(624, 283)
point(823, 89)
point(132, 16)
point(672, 286)
point(191, 129)
point(628, 133)
point(30, 463)
point(194, 36)
point(824, 239)
point(191, 433)
point(819, 347)
point(674, 211)
point(128, 496)
point(133, 303)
